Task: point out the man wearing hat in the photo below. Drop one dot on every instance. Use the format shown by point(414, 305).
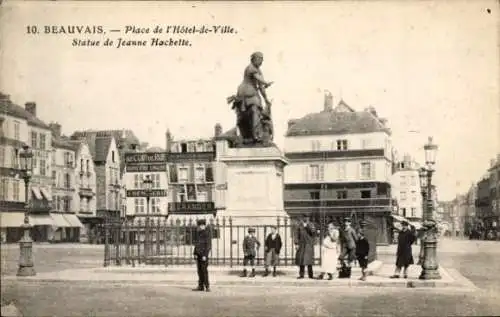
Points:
point(203, 245)
point(305, 239)
point(404, 257)
point(349, 238)
point(250, 247)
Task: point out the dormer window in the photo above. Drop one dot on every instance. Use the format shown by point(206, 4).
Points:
point(341, 145)
point(200, 147)
point(183, 147)
point(113, 156)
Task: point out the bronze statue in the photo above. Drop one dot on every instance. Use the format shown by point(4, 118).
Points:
point(253, 121)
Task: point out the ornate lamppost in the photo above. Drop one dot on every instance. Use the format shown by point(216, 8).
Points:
point(422, 174)
point(148, 184)
point(26, 266)
point(430, 266)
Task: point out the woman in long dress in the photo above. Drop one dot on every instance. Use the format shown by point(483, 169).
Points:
point(330, 249)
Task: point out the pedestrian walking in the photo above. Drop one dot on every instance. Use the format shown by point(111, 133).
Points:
point(362, 251)
point(404, 257)
point(203, 245)
point(272, 248)
point(250, 247)
point(305, 237)
point(330, 249)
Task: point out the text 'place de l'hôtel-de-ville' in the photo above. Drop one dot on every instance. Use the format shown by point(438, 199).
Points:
point(341, 162)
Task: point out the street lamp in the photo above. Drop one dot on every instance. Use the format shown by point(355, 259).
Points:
point(430, 266)
point(26, 266)
point(148, 184)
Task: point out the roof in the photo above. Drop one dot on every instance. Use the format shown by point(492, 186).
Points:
point(7, 107)
point(65, 143)
point(155, 149)
point(121, 136)
point(101, 148)
point(335, 122)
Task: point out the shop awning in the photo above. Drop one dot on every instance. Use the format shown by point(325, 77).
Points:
point(11, 219)
point(46, 193)
point(36, 192)
point(73, 221)
point(416, 224)
point(399, 218)
point(41, 220)
point(59, 221)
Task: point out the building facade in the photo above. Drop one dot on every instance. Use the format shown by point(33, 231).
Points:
point(494, 178)
point(191, 189)
point(340, 164)
point(138, 166)
point(406, 190)
point(20, 127)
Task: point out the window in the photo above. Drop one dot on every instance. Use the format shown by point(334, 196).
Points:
point(43, 167)
point(341, 145)
point(366, 170)
point(16, 185)
point(317, 172)
point(314, 195)
point(67, 180)
point(156, 180)
point(413, 196)
point(4, 189)
point(199, 174)
point(403, 212)
point(413, 212)
point(54, 178)
point(139, 205)
point(191, 147)
point(403, 195)
point(137, 181)
point(42, 141)
point(172, 171)
point(413, 180)
point(209, 147)
point(209, 173)
point(403, 180)
point(34, 143)
point(68, 159)
point(17, 134)
point(366, 194)
point(191, 192)
point(14, 161)
point(342, 171)
point(183, 147)
point(2, 156)
point(88, 166)
point(365, 143)
point(67, 204)
point(316, 145)
point(81, 165)
point(181, 194)
point(200, 147)
point(202, 196)
point(341, 194)
point(183, 174)
point(155, 205)
point(113, 156)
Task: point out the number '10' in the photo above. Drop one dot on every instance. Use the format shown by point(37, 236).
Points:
point(31, 29)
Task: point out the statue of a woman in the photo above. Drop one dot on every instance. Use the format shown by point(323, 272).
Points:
point(248, 99)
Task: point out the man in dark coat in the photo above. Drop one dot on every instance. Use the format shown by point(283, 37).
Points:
point(348, 242)
point(203, 245)
point(404, 257)
point(305, 238)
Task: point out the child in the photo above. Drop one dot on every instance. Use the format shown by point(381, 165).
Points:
point(362, 250)
point(272, 250)
point(250, 247)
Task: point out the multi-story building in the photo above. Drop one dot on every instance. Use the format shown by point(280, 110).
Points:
point(340, 164)
point(191, 188)
point(494, 176)
point(483, 203)
point(405, 186)
point(138, 167)
point(20, 127)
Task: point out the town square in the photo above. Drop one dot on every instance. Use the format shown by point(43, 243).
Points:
point(253, 170)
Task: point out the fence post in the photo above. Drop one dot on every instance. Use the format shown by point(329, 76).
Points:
point(230, 242)
point(224, 244)
point(106, 243)
point(165, 240)
point(139, 238)
point(158, 237)
point(285, 225)
point(217, 229)
point(172, 233)
point(117, 234)
point(127, 241)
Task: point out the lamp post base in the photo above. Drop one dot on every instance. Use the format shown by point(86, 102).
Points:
point(26, 266)
point(430, 266)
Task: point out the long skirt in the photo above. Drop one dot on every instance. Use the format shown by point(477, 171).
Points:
point(329, 260)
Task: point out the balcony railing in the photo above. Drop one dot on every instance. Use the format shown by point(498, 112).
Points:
point(339, 203)
point(86, 192)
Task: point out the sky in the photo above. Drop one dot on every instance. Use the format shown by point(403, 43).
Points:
point(430, 67)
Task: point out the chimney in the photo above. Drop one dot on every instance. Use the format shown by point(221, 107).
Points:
point(30, 107)
point(55, 128)
point(217, 130)
point(383, 121)
point(168, 140)
point(328, 106)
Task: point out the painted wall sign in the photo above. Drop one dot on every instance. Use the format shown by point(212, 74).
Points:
point(191, 207)
point(191, 156)
point(137, 168)
point(143, 193)
point(145, 158)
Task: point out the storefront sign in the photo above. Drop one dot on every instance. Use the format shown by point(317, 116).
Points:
point(191, 156)
point(144, 193)
point(191, 207)
point(145, 158)
point(138, 168)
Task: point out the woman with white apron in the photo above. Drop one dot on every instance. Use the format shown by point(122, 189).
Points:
point(330, 249)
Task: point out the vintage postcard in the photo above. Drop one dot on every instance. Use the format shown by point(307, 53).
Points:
point(263, 158)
